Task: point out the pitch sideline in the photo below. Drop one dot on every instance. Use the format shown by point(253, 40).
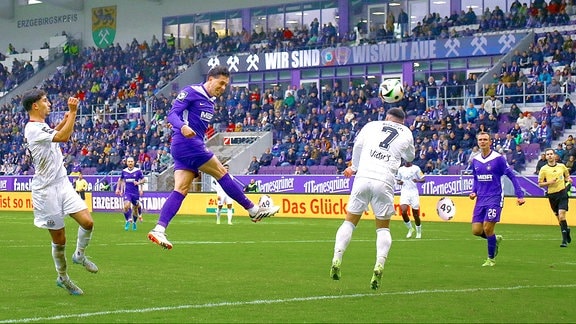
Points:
point(275, 301)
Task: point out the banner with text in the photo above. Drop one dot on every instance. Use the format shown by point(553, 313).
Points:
point(435, 184)
point(368, 54)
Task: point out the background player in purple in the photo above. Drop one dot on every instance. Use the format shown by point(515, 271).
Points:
point(488, 169)
point(130, 185)
point(191, 112)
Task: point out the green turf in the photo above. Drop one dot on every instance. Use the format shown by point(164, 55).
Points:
point(278, 271)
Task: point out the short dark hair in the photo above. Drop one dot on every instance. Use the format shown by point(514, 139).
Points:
point(31, 96)
point(218, 70)
point(396, 113)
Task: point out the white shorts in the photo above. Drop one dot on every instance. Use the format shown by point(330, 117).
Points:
point(376, 193)
point(53, 203)
point(410, 198)
point(224, 199)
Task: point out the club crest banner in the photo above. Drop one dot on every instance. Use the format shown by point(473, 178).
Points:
point(104, 26)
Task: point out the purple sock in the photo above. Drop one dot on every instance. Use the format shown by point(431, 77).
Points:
point(170, 208)
point(491, 245)
point(128, 214)
point(235, 192)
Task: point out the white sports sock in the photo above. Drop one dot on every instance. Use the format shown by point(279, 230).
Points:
point(408, 224)
point(229, 215)
point(252, 211)
point(159, 228)
point(59, 256)
point(343, 237)
point(418, 228)
point(383, 243)
point(83, 240)
point(218, 211)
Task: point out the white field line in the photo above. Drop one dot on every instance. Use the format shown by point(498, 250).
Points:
point(277, 301)
point(16, 244)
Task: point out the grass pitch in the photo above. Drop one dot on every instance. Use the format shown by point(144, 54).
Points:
point(277, 271)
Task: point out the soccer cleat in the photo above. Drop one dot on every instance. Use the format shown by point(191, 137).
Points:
point(264, 212)
point(140, 219)
point(134, 226)
point(229, 223)
point(69, 285)
point(410, 232)
point(127, 226)
point(89, 265)
point(218, 222)
point(489, 263)
point(568, 238)
point(418, 235)
point(160, 239)
point(564, 244)
point(499, 239)
point(377, 277)
point(335, 270)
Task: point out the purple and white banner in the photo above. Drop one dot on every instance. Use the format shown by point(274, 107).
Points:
point(315, 184)
point(435, 184)
point(22, 183)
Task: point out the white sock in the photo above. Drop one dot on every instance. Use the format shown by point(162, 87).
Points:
point(159, 228)
point(83, 240)
point(408, 224)
point(229, 215)
point(418, 229)
point(59, 256)
point(343, 237)
point(383, 243)
point(253, 210)
point(218, 211)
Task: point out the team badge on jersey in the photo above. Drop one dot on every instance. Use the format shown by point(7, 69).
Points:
point(182, 95)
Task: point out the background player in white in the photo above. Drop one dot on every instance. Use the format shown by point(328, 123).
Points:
point(53, 196)
point(223, 199)
point(408, 175)
point(378, 150)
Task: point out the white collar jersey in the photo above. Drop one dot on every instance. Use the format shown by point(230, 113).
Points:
point(407, 175)
point(46, 155)
point(379, 149)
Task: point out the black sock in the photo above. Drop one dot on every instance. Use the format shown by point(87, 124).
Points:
point(563, 227)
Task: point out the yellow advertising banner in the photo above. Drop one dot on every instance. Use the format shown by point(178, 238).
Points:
point(536, 211)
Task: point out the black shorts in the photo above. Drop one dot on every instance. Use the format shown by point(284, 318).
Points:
point(558, 200)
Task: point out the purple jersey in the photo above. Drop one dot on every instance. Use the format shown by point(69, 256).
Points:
point(488, 172)
point(193, 107)
point(130, 176)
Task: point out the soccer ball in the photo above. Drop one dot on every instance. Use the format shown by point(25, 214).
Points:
point(445, 208)
point(265, 201)
point(391, 91)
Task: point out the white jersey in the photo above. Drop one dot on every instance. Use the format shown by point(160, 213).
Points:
point(223, 198)
point(379, 149)
point(407, 175)
point(46, 155)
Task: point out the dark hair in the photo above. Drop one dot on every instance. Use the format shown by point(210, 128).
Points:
point(218, 70)
point(397, 113)
point(549, 149)
point(30, 97)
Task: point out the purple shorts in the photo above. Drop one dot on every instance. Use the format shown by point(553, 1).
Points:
point(132, 198)
point(190, 158)
point(490, 213)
